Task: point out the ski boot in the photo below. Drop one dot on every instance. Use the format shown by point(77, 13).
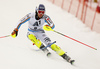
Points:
point(45, 50)
point(67, 58)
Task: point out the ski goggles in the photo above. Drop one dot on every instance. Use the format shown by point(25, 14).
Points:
point(41, 12)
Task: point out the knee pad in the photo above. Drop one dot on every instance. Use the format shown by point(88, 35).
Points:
point(57, 49)
point(36, 41)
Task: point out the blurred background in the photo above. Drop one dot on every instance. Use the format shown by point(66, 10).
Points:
point(78, 19)
point(88, 11)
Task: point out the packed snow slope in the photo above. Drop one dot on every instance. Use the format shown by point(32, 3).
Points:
point(19, 53)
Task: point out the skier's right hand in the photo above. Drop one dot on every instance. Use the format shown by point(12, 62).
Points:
point(14, 33)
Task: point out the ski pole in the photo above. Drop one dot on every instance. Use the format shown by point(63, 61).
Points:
point(75, 40)
point(4, 36)
point(48, 28)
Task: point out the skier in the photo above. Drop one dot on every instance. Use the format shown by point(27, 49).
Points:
point(36, 32)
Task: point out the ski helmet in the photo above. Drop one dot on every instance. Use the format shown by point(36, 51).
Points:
point(41, 7)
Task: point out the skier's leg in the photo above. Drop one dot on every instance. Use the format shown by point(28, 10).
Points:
point(38, 43)
point(61, 53)
point(58, 50)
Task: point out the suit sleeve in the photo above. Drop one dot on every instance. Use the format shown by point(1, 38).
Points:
point(49, 22)
point(23, 20)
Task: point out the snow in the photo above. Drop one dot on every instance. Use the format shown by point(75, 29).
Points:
point(18, 53)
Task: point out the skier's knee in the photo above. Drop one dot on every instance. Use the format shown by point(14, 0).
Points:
point(57, 49)
point(32, 37)
point(36, 41)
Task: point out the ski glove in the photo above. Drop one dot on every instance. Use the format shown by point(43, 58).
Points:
point(47, 28)
point(14, 33)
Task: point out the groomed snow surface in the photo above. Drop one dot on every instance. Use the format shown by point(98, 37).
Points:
point(19, 53)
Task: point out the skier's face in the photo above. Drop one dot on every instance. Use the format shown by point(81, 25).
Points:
point(40, 13)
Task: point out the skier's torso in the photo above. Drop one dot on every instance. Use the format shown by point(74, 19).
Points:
point(35, 24)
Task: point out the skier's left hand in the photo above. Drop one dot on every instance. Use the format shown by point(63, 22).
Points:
point(47, 28)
